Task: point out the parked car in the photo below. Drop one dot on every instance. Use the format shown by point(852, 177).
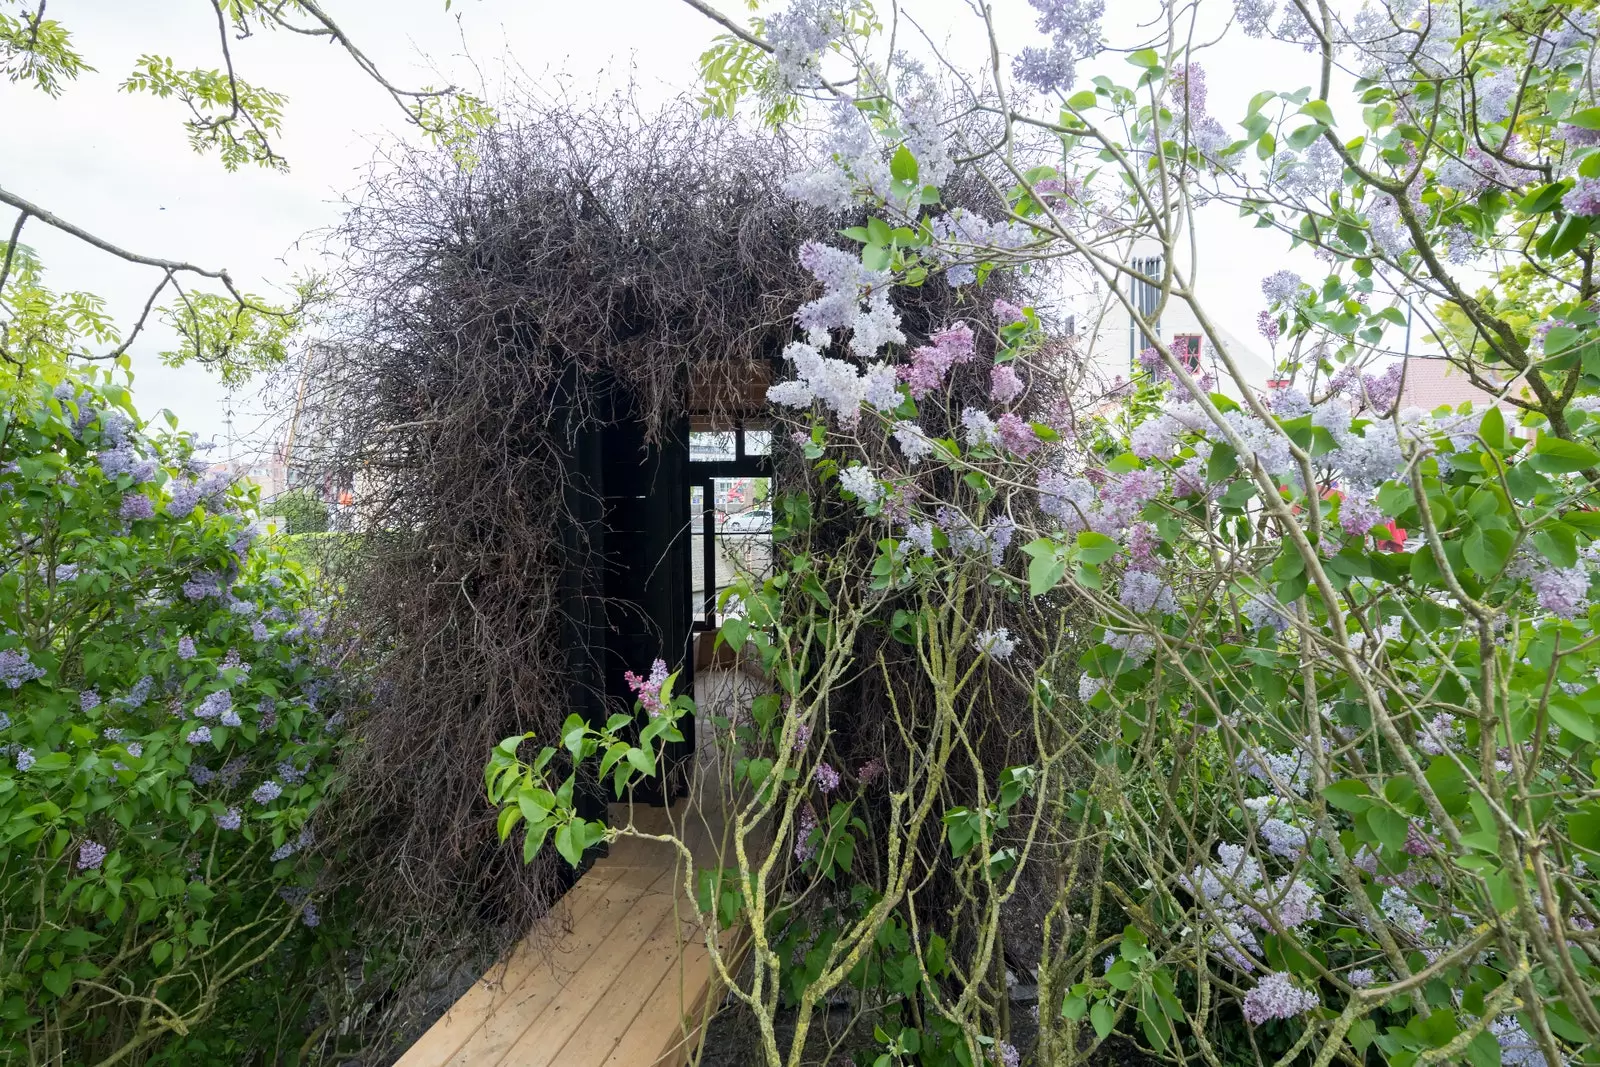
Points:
point(756, 520)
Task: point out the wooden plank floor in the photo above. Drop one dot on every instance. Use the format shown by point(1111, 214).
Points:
point(627, 986)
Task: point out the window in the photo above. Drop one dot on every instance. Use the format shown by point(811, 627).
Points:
point(1186, 348)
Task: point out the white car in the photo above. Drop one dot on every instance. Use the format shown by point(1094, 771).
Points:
point(756, 520)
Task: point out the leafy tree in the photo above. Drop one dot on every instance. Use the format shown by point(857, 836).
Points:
point(218, 324)
point(302, 510)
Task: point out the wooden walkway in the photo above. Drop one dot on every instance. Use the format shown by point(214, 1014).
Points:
point(630, 984)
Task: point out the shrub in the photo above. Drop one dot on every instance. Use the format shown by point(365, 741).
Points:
point(167, 735)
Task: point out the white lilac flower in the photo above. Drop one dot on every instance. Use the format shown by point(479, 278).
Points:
point(860, 481)
point(1293, 901)
point(1517, 1046)
point(914, 444)
point(1398, 909)
point(980, 428)
point(996, 644)
point(1088, 686)
point(1142, 592)
point(1277, 997)
point(1362, 977)
point(1135, 647)
point(882, 388)
point(1293, 768)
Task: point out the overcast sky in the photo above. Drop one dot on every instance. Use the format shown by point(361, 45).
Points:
point(120, 166)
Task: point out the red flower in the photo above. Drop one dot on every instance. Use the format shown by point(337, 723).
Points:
point(1396, 541)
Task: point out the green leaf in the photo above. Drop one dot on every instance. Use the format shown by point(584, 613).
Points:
point(1588, 118)
point(1046, 567)
point(1104, 1017)
point(1304, 136)
point(1319, 110)
point(1542, 199)
point(1351, 794)
point(1388, 826)
point(1571, 717)
point(903, 166)
point(1261, 100)
point(58, 981)
point(1145, 57)
point(1553, 455)
point(566, 844)
point(1074, 1006)
point(1082, 100)
point(1095, 547)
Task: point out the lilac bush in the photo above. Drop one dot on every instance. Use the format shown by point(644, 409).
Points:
point(136, 720)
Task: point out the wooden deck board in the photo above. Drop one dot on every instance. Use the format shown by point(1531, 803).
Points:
point(627, 984)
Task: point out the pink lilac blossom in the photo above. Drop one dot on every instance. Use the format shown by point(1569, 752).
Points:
point(1007, 312)
point(1005, 385)
point(1142, 542)
point(1267, 326)
point(1155, 438)
point(931, 362)
point(648, 690)
point(870, 771)
point(1017, 436)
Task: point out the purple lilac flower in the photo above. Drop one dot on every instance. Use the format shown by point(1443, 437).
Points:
point(203, 585)
point(1562, 591)
point(1267, 326)
point(65, 572)
point(1005, 385)
point(1517, 1046)
point(1074, 29)
point(309, 916)
point(259, 631)
point(25, 759)
point(804, 847)
point(1362, 977)
point(1006, 1055)
point(136, 506)
point(214, 705)
point(1188, 84)
point(88, 700)
point(233, 771)
point(186, 649)
point(116, 461)
point(1583, 198)
point(199, 735)
point(267, 792)
point(1398, 909)
point(1277, 997)
point(1067, 500)
point(1358, 513)
point(826, 777)
point(1282, 287)
point(1383, 390)
point(200, 774)
point(870, 771)
point(291, 774)
point(230, 819)
point(91, 854)
point(1578, 136)
point(267, 713)
point(1143, 592)
point(138, 694)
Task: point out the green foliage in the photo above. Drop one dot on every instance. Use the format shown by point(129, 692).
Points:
point(302, 510)
point(168, 736)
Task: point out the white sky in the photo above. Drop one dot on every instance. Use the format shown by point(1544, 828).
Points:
point(120, 165)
